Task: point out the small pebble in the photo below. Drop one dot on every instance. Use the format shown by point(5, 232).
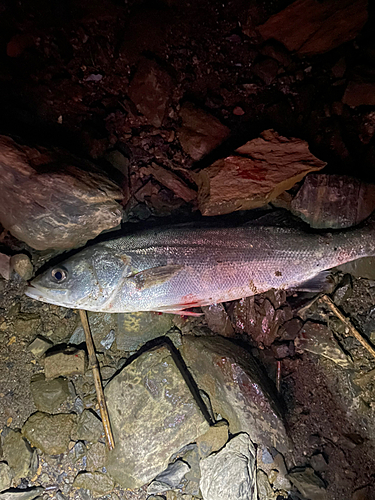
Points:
point(22, 265)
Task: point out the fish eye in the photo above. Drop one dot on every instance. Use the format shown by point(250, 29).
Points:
point(59, 274)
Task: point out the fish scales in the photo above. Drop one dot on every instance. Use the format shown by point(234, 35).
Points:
point(176, 268)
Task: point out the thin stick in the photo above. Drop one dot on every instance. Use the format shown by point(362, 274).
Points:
point(278, 376)
point(93, 362)
point(347, 322)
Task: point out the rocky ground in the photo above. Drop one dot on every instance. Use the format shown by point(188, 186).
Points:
point(176, 111)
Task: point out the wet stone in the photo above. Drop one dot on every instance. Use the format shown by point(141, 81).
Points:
point(231, 473)
point(308, 483)
point(89, 427)
point(150, 91)
point(6, 476)
point(218, 320)
point(214, 439)
point(97, 483)
point(26, 324)
point(66, 363)
point(18, 454)
point(318, 462)
point(237, 388)
point(78, 451)
point(265, 491)
point(200, 132)
point(135, 329)
point(48, 395)
point(169, 479)
point(153, 414)
point(18, 494)
point(344, 290)
point(102, 327)
point(290, 329)
point(21, 265)
point(318, 339)
point(193, 476)
point(96, 457)
point(39, 346)
point(49, 433)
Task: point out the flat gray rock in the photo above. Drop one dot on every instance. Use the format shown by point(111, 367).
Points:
point(153, 414)
point(89, 427)
point(238, 390)
point(170, 478)
point(6, 476)
point(135, 329)
point(231, 473)
point(18, 454)
point(15, 494)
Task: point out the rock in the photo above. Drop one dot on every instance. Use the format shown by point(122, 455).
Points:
point(218, 320)
point(22, 265)
point(311, 27)
point(193, 476)
point(257, 317)
point(5, 266)
point(290, 329)
point(333, 201)
point(39, 346)
point(48, 395)
point(308, 483)
point(360, 268)
point(65, 363)
point(359, 93)
point(170, 479)
point(214, 439)
point(273, 465)
point(49, 433)
point(259, 172)
point(344, 290)
point(107, 342)
point(18, 494)
point(363, 493)
point(78, 451)
point(97, 483)
point(60, 208)
point(6, 476)
point(150, 91)
point(171, 181)
point(96, 457)
point(18, 454)
point(135, 329)
point(231, 473)
point(318, 462)
point(266, 70)
point(101, 326)
point(200, 132)
point(26, 324)
point(318, 339)
point(89, 427)
point(153, 414)
point(238, 390)
point(265, 491)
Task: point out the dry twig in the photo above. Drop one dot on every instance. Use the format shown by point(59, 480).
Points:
point(327, 301)
point(93, 362)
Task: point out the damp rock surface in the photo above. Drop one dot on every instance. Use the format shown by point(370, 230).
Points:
point(48, 395)
point(18, 454)
point(49, 433)
point(230, 474)
point(153, 414)
point(237, 388)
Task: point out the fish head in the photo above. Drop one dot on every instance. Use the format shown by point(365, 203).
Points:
point(84, 281)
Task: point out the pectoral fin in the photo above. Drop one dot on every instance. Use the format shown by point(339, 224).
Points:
point(322, 282)
point(155, 276)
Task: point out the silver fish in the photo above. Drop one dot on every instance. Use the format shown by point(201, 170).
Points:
point(177, 268)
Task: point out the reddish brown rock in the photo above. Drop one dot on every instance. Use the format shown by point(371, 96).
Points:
point(150, 91)
point(218, 320)
point(171, 181)
point(5, 268)
point(200, 132)
point(312, 27)
point(359, 93)
point(333, 201)
point(260, 171)
point(237, 389)
point(49, 202)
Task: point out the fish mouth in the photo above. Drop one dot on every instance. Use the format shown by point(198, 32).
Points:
point(39, 293)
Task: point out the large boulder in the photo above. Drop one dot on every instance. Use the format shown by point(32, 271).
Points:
point(239, 391)
point(153, 414)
